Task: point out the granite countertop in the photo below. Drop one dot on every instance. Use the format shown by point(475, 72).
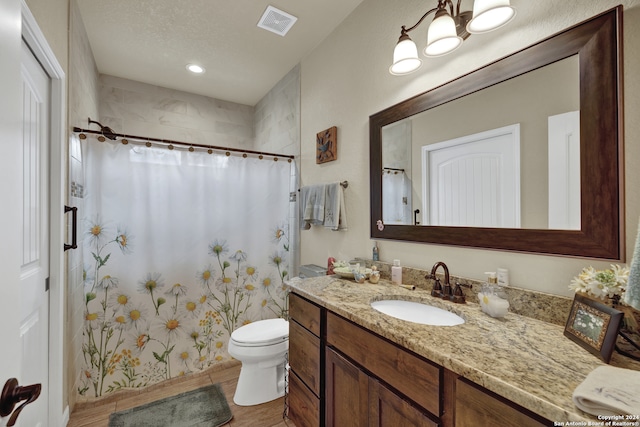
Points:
point(527, 361)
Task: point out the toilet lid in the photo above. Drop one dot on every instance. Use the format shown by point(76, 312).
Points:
point(268, 331)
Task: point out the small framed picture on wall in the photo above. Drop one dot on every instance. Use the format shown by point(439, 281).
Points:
point(327, 145)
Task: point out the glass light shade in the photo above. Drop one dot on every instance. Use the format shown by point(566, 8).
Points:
point(405, 57)
point(441, 36)
point(489, 15)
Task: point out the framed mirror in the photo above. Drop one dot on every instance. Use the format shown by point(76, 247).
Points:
point(594, 46)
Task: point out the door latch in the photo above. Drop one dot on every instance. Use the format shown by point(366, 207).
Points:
point(12, 394)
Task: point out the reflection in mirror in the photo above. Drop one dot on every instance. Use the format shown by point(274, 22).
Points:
point(474, 182)
point(396, 173)
point(551, 222)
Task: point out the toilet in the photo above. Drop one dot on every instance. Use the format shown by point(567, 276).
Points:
point(262, 348)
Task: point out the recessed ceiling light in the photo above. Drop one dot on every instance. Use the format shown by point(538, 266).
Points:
point(196, 69)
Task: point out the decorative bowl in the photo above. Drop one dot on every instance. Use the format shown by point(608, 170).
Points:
point(346, 273)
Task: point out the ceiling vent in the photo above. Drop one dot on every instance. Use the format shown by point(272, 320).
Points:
point(276, 21)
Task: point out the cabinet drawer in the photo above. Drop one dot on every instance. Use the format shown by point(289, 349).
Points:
point(304, 356)
point(304, 406)
point(407, 373)
point(476, 406)
point(305, 313)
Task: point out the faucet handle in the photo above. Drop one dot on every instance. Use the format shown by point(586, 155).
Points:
point(437, 288)
point(458, 295)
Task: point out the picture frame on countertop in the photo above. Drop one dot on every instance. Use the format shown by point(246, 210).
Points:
point(594, 326)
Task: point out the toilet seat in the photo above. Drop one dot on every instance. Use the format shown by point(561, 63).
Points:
point(261, 333)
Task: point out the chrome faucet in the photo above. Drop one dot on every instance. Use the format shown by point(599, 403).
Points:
point(447, 292)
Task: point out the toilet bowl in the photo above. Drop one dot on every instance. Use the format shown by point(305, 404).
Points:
point(262, 348)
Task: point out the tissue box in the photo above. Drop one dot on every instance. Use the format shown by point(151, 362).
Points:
point(312, 270)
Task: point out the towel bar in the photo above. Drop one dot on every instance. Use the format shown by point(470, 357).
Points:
point(344, 184)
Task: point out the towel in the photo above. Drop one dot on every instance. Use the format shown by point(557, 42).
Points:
point(335, 213)
point(632, 293)
point(608, 390)
point(312, 200)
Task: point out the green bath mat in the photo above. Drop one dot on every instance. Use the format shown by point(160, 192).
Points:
point(204, 407)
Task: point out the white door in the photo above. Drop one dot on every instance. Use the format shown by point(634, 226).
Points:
point(473, 180)
point(9, 192)
point(564, 171)
point(34, 266)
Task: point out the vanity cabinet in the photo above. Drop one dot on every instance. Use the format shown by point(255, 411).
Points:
point(345, 375)
point(304, 362)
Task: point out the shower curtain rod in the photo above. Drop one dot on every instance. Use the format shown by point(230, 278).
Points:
point(124, 138)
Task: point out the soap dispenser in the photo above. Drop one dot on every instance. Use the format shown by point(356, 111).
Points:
point(490, 302)
point(396, 272)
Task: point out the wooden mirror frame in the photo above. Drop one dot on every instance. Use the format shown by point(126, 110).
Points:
point(598, 42)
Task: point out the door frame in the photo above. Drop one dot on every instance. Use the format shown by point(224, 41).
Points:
point(35, 39)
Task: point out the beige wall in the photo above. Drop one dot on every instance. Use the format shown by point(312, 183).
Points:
point(345, 80)
point(53, 19)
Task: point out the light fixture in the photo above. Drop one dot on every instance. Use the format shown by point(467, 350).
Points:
point(449, 28)
point(195, 68)
point(489, 15)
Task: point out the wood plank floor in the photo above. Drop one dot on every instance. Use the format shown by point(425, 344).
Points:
point(96, 414)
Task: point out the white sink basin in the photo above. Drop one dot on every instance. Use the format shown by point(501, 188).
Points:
point(417, 312)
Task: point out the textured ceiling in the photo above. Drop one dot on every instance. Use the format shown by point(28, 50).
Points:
point(152, 41)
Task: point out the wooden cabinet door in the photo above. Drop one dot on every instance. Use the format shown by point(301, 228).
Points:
point(476, 406)
point(346, 392)
point(387, 409)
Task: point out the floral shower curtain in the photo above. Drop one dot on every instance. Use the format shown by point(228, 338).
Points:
point(180, 249)
point(396, 198)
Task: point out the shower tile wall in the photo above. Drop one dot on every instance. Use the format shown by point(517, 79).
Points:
point(142, 109)
point(277, 117)
point(83, 103)
point(277, 130)
point(136, 108)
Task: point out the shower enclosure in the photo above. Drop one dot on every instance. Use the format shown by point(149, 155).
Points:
point(181, 246)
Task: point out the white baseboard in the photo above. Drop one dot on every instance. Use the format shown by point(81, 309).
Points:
point(65, 417)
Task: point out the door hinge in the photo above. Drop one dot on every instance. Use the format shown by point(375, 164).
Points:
point(46, 284)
